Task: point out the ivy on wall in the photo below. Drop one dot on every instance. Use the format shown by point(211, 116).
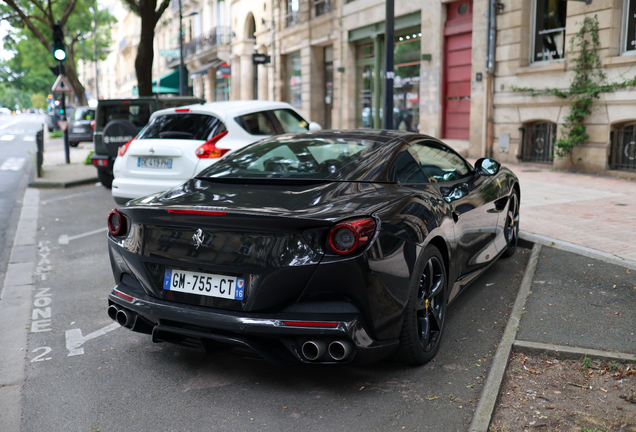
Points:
point(588, 83)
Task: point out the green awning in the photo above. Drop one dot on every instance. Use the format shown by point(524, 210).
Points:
point(171, 80)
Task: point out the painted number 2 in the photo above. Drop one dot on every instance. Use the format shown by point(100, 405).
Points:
point(39, 358)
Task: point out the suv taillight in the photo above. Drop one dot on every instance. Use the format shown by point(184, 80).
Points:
point(93, 124)
point(123, 149)
point(350, 235)
point(209, 150)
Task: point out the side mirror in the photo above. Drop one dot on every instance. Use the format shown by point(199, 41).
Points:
point(487, 167)
point(313, 127)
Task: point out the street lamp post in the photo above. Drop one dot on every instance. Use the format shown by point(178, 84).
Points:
point(180, 51)
point(181, 67)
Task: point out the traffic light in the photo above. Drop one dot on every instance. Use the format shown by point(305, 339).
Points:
point(57, 47)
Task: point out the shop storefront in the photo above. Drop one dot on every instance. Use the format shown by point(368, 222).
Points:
point(370, 67)
point(293, 80)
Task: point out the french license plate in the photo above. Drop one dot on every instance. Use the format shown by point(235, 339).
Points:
point(206, 284)
point(160, 163)
point(78, 130)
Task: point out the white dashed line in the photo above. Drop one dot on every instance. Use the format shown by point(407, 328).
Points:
point(7, 137)
point(12, 164)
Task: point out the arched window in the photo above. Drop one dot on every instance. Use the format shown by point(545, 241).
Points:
point(250, 27)
point(622, 154)
point(537, 141)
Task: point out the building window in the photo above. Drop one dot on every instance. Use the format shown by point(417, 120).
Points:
point(537, 142)
point(629, 27)
point(549, 30)
point(293, 80)
point(322, 7)
point(623, 147)
point(291, 15)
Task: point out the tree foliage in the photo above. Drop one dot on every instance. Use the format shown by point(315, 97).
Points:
point(30, 38)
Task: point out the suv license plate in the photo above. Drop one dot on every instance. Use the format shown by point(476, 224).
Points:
point(206, 284)
point(160, 163)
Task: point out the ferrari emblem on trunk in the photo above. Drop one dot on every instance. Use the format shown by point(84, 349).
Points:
point(198, 238)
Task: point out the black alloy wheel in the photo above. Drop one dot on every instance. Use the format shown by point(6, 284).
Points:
point(512, 226)
point(425, 312)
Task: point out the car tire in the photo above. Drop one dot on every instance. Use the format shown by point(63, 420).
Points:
point(511, 229)
point(120, 200)
point(106, 178)
point(73, 143)
point(425, 314)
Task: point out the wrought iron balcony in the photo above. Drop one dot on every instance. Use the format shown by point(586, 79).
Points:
point(322, 7)
point(217, 36)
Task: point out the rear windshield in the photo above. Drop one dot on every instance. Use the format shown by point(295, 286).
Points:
point(136, 113)
point(84, 114)
point(290, 158)
point(183, 126)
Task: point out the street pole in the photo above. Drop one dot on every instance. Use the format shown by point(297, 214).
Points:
point(95, 43)
point(180, 51)
point(67, 149)
point(389, 74)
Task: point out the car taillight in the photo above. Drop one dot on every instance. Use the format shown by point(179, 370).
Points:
point(123, 149)
point(116, 223)
point(93, 124)
point(99, 162)
point(350, 235)
point(209, 150)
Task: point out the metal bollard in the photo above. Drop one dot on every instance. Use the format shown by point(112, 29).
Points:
point(39, 139)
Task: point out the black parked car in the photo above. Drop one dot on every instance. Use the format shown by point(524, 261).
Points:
point(317, 247)
point(79, 126)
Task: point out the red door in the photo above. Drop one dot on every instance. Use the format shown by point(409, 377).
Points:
point(458, 42)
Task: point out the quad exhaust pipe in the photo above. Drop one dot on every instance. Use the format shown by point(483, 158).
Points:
point(314, 349)
point(124, 317)
point(338, 350)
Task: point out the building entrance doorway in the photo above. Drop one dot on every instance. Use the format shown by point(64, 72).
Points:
point(458, 42)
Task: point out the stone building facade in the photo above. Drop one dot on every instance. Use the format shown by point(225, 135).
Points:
point(533, 51)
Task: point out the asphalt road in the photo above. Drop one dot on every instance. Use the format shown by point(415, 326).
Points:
point(17, 150)
point(117, 380)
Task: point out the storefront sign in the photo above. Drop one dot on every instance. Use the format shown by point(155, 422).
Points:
point(224, 70)
point(261, 59)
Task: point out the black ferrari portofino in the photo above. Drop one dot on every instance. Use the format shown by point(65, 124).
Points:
point(317, 247)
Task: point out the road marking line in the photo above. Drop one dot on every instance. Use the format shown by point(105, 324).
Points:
point(64, 239)
point(9, 124)
point(68, 197)
point(28, 138)
point(74, 338)
point(7, 137)
point(12, 164)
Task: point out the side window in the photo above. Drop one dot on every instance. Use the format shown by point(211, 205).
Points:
point(407, 169)
point(256, 124)
point(629, 27)
point(438, 162)
point(290, 121)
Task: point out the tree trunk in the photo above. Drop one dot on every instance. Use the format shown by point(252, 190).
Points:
point(73, 80)
point(145, 52)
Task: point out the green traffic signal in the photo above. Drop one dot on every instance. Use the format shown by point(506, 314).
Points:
point(57, 46)
point(59, 54)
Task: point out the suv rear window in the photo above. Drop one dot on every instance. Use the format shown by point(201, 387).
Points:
point(183, 126)
point(84, 114)
point(136, 113)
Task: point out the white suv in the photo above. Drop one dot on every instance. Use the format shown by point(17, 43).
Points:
point(178, 143)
